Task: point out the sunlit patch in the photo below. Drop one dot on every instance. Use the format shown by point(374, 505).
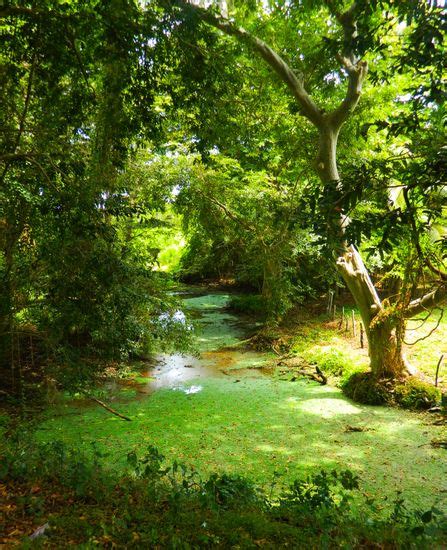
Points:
point(292, 402)
point(274, 449)
point(327, 407)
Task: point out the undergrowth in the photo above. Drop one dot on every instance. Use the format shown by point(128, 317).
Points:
point(410, 393)
point(161, 505)
point(253, 304)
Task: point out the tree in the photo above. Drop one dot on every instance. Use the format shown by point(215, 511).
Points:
point(74, 106)
point(383, 323)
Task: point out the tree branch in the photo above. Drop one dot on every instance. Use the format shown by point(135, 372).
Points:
point(416, 242)
point(10, 157)
point(24, 113)
point(356, 75)
point(429, 300)
point(17, 10)
point(355, 68)
point(295, 83)
point(71, 39)
point(228, 212)
point(427, 335)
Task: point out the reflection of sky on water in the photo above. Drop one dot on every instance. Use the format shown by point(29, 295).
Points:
point(172, 370)
point(188, 391)
point(176, 317)
point(215, 330)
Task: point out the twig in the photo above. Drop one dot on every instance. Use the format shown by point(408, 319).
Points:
point(429, 334)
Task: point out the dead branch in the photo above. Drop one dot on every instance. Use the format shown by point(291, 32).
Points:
point(107, 408)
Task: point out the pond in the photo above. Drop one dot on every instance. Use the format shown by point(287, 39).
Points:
point(220, 412)
point(216, 331)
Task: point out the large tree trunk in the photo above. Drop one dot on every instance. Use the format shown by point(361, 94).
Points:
point(384, 346)
point(385, 352)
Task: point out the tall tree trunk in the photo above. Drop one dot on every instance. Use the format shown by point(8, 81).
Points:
point(384, 347)
point(386, 359)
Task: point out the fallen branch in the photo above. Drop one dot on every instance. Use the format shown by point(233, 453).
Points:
point(107, 408)
point(317, 377)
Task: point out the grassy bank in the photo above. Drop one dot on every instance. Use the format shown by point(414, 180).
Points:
point(331, 343)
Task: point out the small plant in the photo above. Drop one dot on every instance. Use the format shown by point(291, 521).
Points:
point(328, 489)
point(149, 466)
point(231, 491)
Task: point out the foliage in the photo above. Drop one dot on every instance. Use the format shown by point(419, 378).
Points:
point(416, 394)
point(240, 225)
point(253, 304)
point(164, 507)
point(77, 97)
point(364, 388)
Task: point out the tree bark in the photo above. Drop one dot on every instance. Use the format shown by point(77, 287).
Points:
point(381, 328)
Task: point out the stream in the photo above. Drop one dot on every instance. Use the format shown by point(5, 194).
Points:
point(217, 333)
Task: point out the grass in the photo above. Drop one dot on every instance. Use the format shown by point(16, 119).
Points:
point(259, 427)
point(321, 341)
point(425, 354)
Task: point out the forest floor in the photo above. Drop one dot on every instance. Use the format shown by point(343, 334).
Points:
point(319, 338)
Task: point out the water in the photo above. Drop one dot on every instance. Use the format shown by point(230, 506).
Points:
point(217, 331)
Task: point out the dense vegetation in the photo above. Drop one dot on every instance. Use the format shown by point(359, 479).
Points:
point(292, 151)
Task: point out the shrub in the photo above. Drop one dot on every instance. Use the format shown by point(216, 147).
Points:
point(416, 394)
point(411, 393)
point(253, 304)
point(364, 388)
point(230, 491)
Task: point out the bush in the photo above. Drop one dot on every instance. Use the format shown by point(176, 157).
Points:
point(254, 304)
point(364, 388)
point(416, 394)
point(411, 393)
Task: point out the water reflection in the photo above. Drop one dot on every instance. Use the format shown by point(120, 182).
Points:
point(216, 330)
point(190, 390)
point(174, 369)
